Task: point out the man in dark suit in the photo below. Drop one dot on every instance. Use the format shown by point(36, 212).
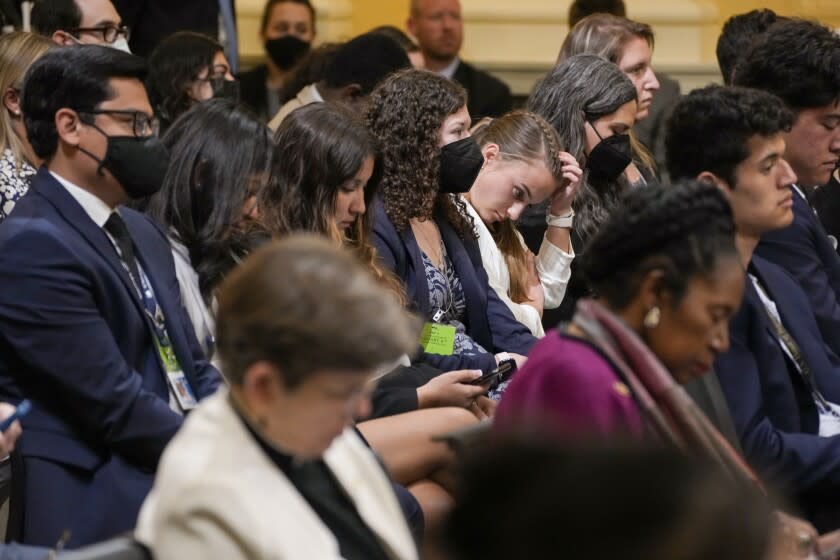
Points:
point(80, 22)
point(92, 330)
point(798, 60)
point(780, 380)
point(439, 30)
point(151, 21)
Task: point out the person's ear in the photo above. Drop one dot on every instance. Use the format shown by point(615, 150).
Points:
point(63, 38)
point(490, 152)
point(261, 384)
point(11, 100)
point(67, 125)
point(411, 25)
point(712, 179)
point(652, 291)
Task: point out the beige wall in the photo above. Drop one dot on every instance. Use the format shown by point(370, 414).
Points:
point(518, 40)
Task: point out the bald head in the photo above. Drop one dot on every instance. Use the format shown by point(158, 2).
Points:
point(439, 30)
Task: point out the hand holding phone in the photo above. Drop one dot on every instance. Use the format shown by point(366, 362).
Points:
point(21, 411)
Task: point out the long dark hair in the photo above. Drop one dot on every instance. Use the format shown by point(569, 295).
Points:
point(320, 147)
point(405, 113)
point(220, 154)
point(173, 66)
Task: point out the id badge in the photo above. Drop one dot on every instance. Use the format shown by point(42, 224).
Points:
point(438, 339)
point(177, 380)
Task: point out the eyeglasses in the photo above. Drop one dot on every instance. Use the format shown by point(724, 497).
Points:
point(142, 124)
point(109, 32)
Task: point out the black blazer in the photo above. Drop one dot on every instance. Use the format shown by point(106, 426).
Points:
point(151, 21)
point(488, 95)
point(252, 90)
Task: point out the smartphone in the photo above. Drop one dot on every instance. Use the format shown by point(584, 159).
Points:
point(21, 411)
point(496, 376)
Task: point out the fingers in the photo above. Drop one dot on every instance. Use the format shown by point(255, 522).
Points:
point(461, 375)
point(477, 410)
point(487, 405)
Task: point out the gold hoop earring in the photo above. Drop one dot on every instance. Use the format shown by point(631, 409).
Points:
point(652, 318)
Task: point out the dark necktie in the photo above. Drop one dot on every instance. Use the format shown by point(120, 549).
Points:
point(116, 227)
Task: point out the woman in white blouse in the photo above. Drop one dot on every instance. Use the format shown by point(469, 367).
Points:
point(523, 165)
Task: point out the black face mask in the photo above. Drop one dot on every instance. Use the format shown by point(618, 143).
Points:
point(286, 50)
point(460, 163)
point(226, 89)
point(138, 164)
point(609, 158)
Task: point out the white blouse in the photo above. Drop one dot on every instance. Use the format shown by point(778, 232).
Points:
point(553, 268)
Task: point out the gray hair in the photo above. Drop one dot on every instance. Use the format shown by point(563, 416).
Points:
point(582, 88)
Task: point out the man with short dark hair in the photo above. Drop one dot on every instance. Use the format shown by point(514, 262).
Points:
point(351, 74)
point(781, 382)
point(80, 22)
point(799, 61)
point(92, 329)
point(439, 29)
point(287, 30)
point(737, 35)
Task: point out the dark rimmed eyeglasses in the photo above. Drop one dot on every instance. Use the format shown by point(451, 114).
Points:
point(109, 32)
point(142, 124)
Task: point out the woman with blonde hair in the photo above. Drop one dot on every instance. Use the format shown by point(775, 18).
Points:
point(524, 166)
point(18, 51)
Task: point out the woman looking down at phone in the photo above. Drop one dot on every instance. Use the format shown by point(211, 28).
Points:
point(524, 166)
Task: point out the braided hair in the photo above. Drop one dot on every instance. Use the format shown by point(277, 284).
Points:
point(527, 137)
point(683, 230)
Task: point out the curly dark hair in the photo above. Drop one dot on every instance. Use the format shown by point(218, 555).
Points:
point(798, 61)
point(725, 118)
point(405, 113)
point(683, 230)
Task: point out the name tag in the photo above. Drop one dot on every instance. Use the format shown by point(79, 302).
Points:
point(177, 380)
point(438, 339)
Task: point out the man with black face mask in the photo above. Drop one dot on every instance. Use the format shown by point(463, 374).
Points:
point(91, 325)
point(287, 30)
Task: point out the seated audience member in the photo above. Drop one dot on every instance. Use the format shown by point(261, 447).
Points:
point(352, 73)
point(592, 105)
point(664, 301)
point(737, 35)
point(91, 322)
point(779, 377)
point(272, 467)
point(602, 504)
point(524, 165)
point(798, 61)
point(19, 163)
point(185, 69)
point(287, 30)
point(650, 129)
point(220, 158)
point(423, 233)
point(80, 22)
point(309, 70)
point(439, 29)
point(325, 177)
point(826, 202)
point(407, 43)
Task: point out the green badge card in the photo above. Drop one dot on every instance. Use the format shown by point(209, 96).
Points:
point(438, 339)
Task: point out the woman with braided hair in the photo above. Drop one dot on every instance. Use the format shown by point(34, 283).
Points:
point(669, 278)
point(523, 165)
point(422, 230)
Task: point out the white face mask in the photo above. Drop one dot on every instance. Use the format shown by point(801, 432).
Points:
point(121, 45)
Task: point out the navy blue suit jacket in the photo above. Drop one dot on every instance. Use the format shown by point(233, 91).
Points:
point(489, 322)
point(774, 413)
point(75, 340)
point(804, 250)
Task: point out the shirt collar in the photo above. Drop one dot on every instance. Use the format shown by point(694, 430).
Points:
point(450, 70)
point(93, 206)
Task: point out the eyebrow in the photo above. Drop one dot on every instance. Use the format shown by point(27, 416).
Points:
point(104, 22)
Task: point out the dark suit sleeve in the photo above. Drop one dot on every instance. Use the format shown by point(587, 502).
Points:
point(794, 249)
point(806, 461)
point(50, 318)
point(396, 392)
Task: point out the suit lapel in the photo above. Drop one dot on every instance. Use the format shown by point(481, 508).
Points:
point(476, 300)
point(76, 217)
point(416, 260)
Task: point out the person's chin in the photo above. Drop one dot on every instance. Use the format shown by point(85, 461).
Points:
point(642, 114)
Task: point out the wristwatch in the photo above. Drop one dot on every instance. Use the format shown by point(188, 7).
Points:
point(560, 221)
